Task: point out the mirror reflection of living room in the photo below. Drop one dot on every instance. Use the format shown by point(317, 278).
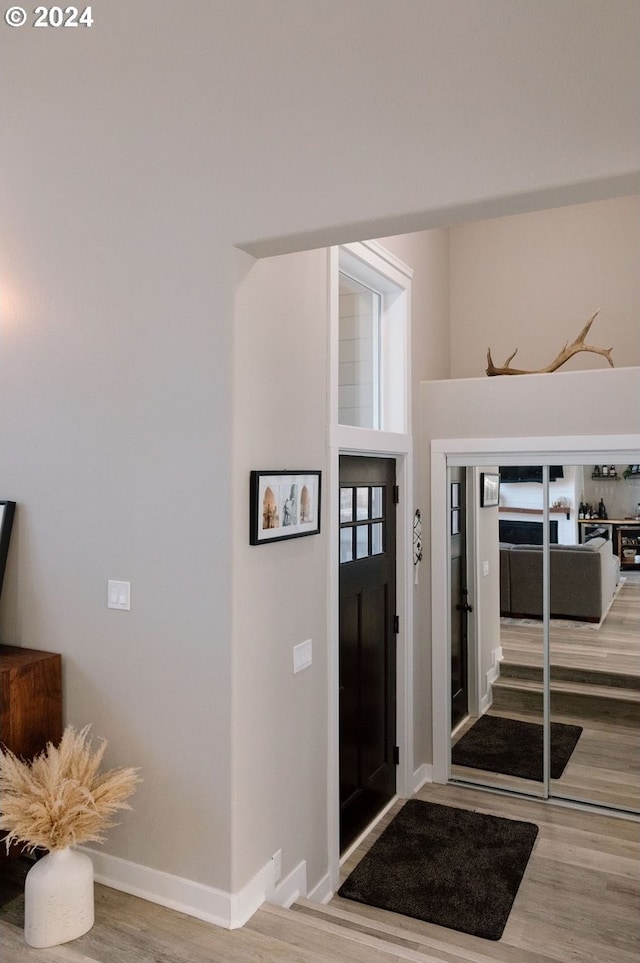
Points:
point(593, 532)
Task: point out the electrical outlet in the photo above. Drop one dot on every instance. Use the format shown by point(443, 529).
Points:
point(276, 862)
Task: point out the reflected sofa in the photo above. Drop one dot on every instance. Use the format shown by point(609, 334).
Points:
point(583, 580)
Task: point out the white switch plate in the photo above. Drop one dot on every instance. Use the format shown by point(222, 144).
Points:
point(302, 656)
point(485, 568)
point(119, 595)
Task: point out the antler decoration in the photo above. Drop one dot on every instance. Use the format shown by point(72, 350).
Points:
point(567, 352)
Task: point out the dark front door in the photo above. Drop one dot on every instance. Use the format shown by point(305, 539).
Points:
point(367, 641)
point(460, 606)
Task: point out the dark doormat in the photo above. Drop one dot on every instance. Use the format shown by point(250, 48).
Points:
point(514, 748)
point(452, 867)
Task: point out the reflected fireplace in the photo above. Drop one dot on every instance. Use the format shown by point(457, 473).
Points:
point(526, 533)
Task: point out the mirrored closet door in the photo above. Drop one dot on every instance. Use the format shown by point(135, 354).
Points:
point(552, 612)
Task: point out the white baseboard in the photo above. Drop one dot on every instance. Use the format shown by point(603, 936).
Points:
point(486, 702)
point(230, 910)
point(322, 892)
point(291, 887)
point(422, 774)
point(492, 676)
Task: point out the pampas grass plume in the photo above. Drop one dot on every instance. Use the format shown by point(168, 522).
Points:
point(59, 798)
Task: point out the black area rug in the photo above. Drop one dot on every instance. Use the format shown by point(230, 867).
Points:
point(514, 748)
point(452, 867)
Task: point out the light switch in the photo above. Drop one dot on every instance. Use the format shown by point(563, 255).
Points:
point(302, 656)
point(119, 595)
point(485, 568)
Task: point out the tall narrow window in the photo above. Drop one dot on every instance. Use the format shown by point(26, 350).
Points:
point(370, 388)
point(359, 355)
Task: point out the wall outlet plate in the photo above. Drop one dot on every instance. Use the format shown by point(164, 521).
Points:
point(302, 656)
point(119, 595)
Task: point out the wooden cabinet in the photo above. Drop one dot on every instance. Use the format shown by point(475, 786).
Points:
point(628, 542)
point(30, 699)
point(624, 535)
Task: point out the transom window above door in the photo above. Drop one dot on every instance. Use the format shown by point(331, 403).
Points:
point(359, 354)
point(370, 339)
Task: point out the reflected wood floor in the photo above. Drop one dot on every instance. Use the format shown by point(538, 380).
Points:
point(604, 768)
point(612, 648)
point(579, 902)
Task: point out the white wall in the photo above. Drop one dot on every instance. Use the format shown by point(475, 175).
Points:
point(620, 495)
point(279, 728)
point(139, 151)
point(486, 597)
point(532, 281)
point(601, 402)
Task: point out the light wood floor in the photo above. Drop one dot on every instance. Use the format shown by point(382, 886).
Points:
point(579, 902)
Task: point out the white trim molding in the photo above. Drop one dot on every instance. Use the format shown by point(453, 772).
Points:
point(396, 443)
point(423, 774)
point(229, 910)
point(493, 674)
point(322, 892)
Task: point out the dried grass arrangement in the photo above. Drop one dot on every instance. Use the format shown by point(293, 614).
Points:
point(60, 799)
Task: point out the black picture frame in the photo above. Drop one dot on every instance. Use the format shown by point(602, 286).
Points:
point(489, 489)
point(7, 511)
point(283, 505)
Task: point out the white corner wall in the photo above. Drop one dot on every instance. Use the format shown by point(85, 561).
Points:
point(280, 721)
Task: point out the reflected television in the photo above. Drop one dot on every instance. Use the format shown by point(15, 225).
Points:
point(511, 474)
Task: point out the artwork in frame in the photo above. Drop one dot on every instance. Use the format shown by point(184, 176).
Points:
point(283, 504)
point(489, 489)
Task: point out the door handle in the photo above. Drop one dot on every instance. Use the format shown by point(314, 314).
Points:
point(465, 607)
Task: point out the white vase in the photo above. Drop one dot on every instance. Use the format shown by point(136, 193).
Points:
point(58, 898)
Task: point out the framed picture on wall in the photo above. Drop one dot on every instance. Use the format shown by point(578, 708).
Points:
point(489, 489)
point(283, 504)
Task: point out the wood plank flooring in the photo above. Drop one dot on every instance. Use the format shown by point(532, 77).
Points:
point(579, 902)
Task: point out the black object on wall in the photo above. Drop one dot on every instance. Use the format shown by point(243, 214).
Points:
point(526, 533)
point(7, 511)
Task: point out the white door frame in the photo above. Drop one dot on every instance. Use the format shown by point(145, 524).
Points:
point(375, 444)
